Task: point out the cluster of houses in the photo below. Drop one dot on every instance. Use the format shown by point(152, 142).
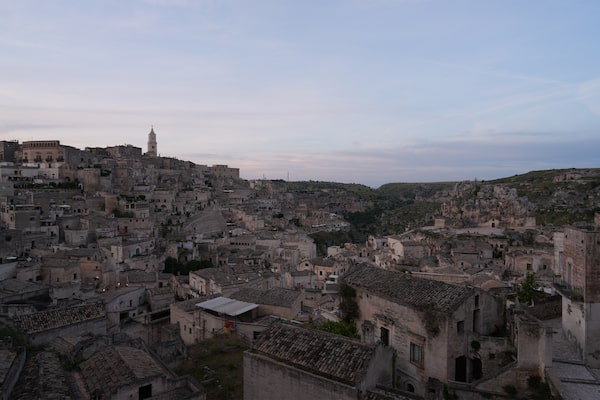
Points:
point(86, 235)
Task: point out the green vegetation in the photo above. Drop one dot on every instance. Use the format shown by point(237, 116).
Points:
point(541, 390)
point(348, 305)
point(529, 291)
point(217, 364)
point(343, 328)
point(325, 239)
point(558, 198)
point(318, 186)
point(122, 214)
point(172, 266)
point(18, 338)
point(563, 215)
point(510, 390)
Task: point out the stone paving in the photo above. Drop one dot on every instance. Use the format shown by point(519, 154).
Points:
point(573, 380)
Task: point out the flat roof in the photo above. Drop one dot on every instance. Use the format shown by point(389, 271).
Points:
point(230, 307)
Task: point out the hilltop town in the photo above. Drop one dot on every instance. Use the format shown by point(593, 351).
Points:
point(116, 262)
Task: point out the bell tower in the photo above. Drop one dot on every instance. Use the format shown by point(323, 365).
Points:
point(152, 150)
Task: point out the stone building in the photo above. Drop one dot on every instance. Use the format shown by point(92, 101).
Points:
point(124, 152)
point(8, 149)
point(44, 326)
point(152, 145)
point(200, 319)
point(429, 323)
point(224, 171)
point(297, 363)
point(126, 372)
point(580, 290)
point(284, 303)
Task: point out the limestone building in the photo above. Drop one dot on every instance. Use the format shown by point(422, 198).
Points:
point(429, 323)
point(297, 363)
point(152, 149)
point(580, 290)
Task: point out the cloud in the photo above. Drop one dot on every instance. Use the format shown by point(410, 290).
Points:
point(589, 94)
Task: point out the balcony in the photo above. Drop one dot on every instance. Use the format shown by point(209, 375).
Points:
point(567, 290)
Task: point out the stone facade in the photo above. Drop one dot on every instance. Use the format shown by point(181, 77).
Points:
point(429, 323)
point(580, 288)
point(296, 363)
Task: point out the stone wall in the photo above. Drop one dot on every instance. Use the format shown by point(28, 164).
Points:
point(265, 378)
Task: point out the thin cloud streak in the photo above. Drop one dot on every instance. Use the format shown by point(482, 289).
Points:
point(276, 87)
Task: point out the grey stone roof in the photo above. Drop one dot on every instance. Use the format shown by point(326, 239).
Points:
point(305, 272)
point(135, 276)
point(227, 275)
point(272, 297)
point(323, 262)
point(13, 286)
point(321, 353)
point(52, 319)
point(190, 304)
point(7, 356)
point(378, 394)
point(42, 378)
point(405, 289)
point(117, 366)
point(186, 305)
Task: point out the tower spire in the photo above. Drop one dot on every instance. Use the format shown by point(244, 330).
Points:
point(152, 145)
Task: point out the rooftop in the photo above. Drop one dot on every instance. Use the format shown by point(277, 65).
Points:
point(272, 297)
point(223, 305)
point(117, 366)
point(42, 377)
point(322, 353)
point(58, 318)
point(403, 288)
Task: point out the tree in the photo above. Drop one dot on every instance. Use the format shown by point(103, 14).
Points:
point(529, 291)
point(348, 305)
point(343, 328)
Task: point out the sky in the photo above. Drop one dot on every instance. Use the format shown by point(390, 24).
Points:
point(354, 91)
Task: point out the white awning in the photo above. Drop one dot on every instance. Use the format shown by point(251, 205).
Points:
point(223, 305)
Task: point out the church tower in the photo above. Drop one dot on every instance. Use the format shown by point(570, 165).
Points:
point(152, 152)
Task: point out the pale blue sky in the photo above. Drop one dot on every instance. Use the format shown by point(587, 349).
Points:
point(365, 91)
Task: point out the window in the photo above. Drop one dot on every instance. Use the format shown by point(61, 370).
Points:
point(145, 392)
point(476, 321)
point(384, 336)
point(416, 354)
point(476, 301)
point(460, 326)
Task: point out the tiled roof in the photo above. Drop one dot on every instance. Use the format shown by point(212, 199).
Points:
point(189, 305)
point(321, 353)
point(116, 366)
point(379, 394)
point(140, 276)
point(323, 262)
point(42, 378)
point(227, 274)
point(13, 286)
point(7, 356)
point(272, 297)
point(406, 289)
point(52, 319)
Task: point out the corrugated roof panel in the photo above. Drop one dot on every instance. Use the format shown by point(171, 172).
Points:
point(230, 307)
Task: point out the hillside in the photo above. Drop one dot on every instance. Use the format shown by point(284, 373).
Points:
point(552, 198)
